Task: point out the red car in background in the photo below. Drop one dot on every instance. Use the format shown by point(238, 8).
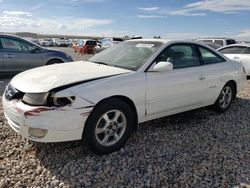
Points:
point(86, 47)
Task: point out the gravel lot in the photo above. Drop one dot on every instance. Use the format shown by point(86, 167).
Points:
point(200, 148)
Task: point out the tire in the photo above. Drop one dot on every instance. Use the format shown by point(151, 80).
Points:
point(54, 61)
point(225, 98)
point(103, 134)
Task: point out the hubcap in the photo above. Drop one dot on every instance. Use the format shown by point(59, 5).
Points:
point(225, 97)
point(110, 127)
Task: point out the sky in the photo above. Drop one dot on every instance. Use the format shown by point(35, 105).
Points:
point(174, 19)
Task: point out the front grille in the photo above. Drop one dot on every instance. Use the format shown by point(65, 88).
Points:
point(12, 93)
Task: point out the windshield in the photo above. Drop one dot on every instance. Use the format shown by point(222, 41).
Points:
point(128, 55)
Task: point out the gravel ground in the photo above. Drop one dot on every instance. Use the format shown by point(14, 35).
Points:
point(200, 148)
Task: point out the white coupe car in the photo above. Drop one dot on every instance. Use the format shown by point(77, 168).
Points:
point(239, 53)
point(103, 100)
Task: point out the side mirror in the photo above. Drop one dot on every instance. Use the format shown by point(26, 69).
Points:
point(163, 66)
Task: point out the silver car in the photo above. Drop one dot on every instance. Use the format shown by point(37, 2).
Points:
point(18, 54)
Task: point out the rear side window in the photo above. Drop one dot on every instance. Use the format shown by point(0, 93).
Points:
point(231, 41)
point(220, 42)
point(181, 55)
point(233, 50)
point(247, 51)
point(91, 43)
point(209, 57)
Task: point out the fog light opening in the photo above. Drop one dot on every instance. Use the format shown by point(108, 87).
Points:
point(38, 133)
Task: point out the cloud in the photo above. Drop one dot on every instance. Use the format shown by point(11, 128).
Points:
point(149, 8)
point(243, 35)
point(219, 6)
point(186, 12)
point(149, 16)
point(17, 13)
point(11, 21)
point(87, 1)
point(37, 6)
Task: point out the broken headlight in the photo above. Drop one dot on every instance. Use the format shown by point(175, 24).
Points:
point(35, 99)
point(62, 101)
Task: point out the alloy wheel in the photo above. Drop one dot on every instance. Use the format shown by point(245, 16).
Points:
point(110, 127)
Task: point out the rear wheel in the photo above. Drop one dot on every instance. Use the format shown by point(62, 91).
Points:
point(225, 98)
point(108, 127)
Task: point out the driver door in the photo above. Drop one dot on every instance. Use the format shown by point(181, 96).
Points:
point(180, 89)
point(17, 55)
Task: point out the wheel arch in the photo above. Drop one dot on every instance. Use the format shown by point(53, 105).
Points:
point(54, 59)
point(128, 101)
point(234, 84)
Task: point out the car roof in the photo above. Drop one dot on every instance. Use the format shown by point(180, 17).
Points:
point(214, 38)
point(231, 45)
point(167, 41)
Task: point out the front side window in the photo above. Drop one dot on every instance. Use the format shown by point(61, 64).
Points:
point(209, 57)
point(15, 45)
point(233, 50)
point(180, 55)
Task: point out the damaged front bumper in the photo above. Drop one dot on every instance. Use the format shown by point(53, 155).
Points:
point(47, 124)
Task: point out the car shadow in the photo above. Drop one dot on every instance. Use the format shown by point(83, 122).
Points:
point(174, 145)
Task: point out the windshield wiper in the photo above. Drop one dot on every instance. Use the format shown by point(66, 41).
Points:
point(100, 62)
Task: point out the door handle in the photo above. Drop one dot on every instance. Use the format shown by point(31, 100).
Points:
point(236, 57)
point(8, 56)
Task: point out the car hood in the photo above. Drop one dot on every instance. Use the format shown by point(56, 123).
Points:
point(46, 78)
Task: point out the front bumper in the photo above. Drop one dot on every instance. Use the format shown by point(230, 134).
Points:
point(62, 124)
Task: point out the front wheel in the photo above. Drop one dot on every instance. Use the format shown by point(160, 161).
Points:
point(108, 127)
point(225, 98)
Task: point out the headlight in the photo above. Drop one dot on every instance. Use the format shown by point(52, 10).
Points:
point(35, 98)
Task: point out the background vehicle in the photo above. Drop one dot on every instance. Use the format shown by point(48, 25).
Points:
point(35, 41)
point(213, 45)
point(44, 42)
point(85, 46)
point(103, 100)
point(219, 41)
point(61, 43)
point(18, 54)
point(54, 41)
point(239, 53)
point(107, 42)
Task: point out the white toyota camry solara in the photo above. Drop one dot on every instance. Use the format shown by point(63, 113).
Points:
point(101, 101)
